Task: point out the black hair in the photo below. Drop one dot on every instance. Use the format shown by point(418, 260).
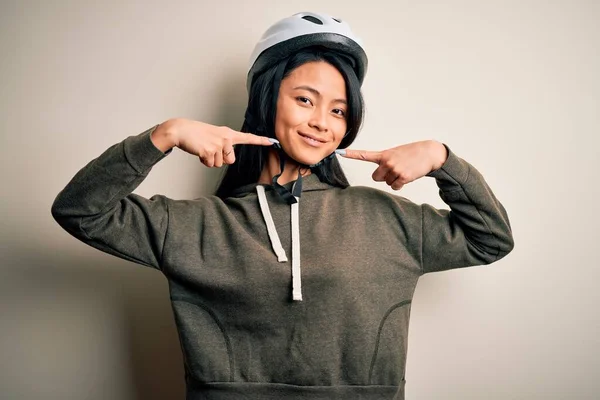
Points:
point(260, 120)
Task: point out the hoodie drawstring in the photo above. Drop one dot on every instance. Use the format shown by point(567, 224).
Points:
point(276, 243)
point(266, 213)
point(296, 274)
point(291, 197)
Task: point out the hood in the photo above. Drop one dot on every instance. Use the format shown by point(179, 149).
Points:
point(309, 183)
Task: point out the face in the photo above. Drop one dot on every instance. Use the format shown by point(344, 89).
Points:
point(311, 112)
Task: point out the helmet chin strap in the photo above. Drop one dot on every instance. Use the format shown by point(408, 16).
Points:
point(290, 197)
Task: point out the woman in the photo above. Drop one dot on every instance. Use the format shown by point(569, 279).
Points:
point(252, 322)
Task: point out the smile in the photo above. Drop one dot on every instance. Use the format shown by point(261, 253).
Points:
point(311, 141)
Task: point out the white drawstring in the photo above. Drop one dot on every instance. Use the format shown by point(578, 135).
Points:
point(296, 273)
point(276, 243)
point(264, 208)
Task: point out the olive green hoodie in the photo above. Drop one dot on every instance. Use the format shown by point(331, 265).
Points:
point(362, 251)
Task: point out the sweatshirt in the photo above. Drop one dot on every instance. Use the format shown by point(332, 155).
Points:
point(243, 333)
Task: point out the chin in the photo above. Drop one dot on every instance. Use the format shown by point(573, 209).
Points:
point(309, 159)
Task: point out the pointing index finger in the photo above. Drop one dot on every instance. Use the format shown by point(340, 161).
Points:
point(250, 138)
point(364, 155)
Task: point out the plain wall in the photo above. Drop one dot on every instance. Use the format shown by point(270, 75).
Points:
point(511, 86)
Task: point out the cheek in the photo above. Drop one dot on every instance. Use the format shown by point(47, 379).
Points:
point(340, 128)
point(288, 116)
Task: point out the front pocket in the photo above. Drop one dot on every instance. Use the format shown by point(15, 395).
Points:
point(205, 344)
point(389, 358)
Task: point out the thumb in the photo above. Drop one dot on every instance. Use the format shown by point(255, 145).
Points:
point(364, 155)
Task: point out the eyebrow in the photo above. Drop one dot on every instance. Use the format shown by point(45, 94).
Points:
point(317, 93)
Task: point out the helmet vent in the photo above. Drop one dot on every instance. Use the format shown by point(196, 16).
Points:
point(313, 19)
point(337, 20)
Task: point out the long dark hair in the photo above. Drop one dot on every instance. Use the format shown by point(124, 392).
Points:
point(260, 120)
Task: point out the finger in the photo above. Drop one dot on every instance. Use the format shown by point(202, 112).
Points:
point(364, 155)
point(380, 174)
point(397, 184)
point(218, 159)
point(208, 160)
point(390, 177)
point(249, 138)
point(228, 155)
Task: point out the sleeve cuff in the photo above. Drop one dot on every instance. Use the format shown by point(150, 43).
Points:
point(454, 169)
point(141, 153)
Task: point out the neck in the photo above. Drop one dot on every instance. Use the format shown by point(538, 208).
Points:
point(272, 168)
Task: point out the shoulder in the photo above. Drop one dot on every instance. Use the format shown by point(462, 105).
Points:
point(372, 193)
point(371, 198)
point(199, 204)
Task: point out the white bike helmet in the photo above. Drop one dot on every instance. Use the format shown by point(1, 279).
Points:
point(302, 30)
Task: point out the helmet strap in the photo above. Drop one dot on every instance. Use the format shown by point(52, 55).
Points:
point(290, 196)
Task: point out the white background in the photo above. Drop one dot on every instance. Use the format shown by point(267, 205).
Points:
point(511, 86)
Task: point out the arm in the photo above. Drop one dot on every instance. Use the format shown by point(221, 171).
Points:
point(475, 231)
point(97, 206)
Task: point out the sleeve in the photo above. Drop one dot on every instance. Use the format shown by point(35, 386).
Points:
point(475, 231)
point(98, 208)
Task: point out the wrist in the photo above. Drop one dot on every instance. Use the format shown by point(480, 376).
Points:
point(164, 136)
point(439, 154)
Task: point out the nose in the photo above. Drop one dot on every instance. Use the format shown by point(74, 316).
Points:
point(318, 119)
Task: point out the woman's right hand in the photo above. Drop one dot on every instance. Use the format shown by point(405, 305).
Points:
point(212, 144)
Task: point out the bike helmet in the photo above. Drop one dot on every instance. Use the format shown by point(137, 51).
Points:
point(306, 29)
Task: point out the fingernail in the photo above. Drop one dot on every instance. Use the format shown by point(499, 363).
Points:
point(273, 140)
point(340, 152)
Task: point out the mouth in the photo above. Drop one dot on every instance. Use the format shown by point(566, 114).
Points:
point(312, 140)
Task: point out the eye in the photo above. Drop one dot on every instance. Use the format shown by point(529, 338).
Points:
point(340, 112)
point(304, 100)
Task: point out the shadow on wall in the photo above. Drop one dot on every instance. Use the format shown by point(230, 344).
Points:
point(77, 323)
point(82, 324)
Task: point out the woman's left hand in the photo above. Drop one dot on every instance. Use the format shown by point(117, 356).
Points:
point(403, 164)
